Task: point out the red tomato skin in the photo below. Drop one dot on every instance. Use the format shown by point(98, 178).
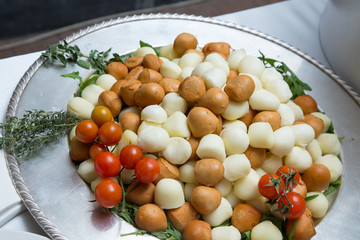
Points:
point(96, 149)
point(110, 133)
point(107, 165)
point(108, 193)
point(298, 202)
point(130, 155)
point(269, 191)
point(147, 170)
point(286, 169)
point(86, 131)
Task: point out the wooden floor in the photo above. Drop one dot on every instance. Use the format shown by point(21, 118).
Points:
point(206, 8)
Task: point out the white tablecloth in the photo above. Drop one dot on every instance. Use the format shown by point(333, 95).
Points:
point(295, 22)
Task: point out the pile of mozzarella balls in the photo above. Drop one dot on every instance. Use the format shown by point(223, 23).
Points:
point(216, 120)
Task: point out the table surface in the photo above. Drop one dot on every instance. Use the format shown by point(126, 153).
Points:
point(296, 22)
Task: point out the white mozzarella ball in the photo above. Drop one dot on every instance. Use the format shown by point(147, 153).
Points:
point(154, 113)
point(178, 151)
point(280, 89)
point(153, 139)
point(176, 125)
point(252, 65)
point(260, 203)
point(164, 59)
point(186, 172)
point(224, 186)
point(128, 137)
point(235, 110)
point(170, 69)
point(264, 100)
point(329, 143)
point(98, 180)
point(235, 139)
point(334, 165)
point(233, 199)
point(86, 170)
point(314, 149)
point(149, 155)
point(106, 81)
point(92, 93)
point(325, 119)
point(142, 51)
point(225, 233)
point(168, 52)
point(299, 114)
point(266, 230)
point(257, 82)
point(272, 163)
point(190, 60)
point(214, 77)
point(185, 72)
point(261, 135)
point(145, 124)
point(270, 75)
point(218, 61)
point(72, 133)
point(220, 215)
point(173, 102)
point(287, 115)
point(169, 194)
point(211, 146)
point(127, 175)
point(284, 140)
point(188, 188)
point(234, 124)
point(246, 188)
point(235, 57)
point(202, 68)
point(298, 158)
point(236, 166)
point(133, 109)
point(80, 107)
point(260, 172)
point(304, 134)
point(318, 206)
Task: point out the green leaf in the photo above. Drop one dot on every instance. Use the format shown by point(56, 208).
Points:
point(336, 183)
point(144, 44)
point(73, 75)
point(329, 190)
point(309, 198)
point(292, 233)
point(83, 64)
point(62, 59)
point(91, 80)
point(246, 235)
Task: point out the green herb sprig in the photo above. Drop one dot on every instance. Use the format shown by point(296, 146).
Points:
point(23, 136)
point(65, 53)
point(297, 87)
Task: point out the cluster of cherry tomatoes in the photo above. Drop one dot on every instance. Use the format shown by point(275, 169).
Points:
point(278, 189)
point(103, 133)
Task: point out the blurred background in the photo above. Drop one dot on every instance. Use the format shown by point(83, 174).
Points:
point(31, 25)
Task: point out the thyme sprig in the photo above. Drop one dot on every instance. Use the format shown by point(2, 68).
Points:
point(297, 87)
point(23, 136)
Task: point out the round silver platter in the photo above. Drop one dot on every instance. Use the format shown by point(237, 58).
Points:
point(61, 202)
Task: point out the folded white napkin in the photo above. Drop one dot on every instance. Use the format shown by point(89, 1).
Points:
point(11, 69)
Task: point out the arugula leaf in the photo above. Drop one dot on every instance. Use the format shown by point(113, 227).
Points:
point(246, 235)
point(297, 87)
point(309, 198)
point(332, 187)
point(144, 44)
point(292, 233)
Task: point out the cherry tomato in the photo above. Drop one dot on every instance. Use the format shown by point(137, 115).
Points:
point(147, 170)
point(288, 171)
point(298, 205)
point(270, 192)
point(101, 115)
point(108, 193)
point(107, 165)
point(96, 149)
point(110, 133)
point(130, 155)
point(86, 131)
